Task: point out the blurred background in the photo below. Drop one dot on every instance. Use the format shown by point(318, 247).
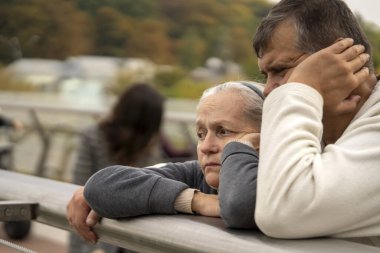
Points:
point(93, 48)
point(64, 63)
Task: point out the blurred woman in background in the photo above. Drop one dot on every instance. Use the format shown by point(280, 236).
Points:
point(128, 135)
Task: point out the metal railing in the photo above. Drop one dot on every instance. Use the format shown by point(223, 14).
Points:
point(43, 123)
point(160, 233)
point(40, 107)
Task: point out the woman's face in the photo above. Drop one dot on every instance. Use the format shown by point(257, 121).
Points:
point(220, 118)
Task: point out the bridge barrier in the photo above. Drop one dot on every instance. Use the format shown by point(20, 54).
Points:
point(58, 124)
point(160, 233)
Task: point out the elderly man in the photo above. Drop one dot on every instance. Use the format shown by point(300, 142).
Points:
point(319, 171)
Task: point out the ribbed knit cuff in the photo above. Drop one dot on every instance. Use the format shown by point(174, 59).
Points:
point(182, 203)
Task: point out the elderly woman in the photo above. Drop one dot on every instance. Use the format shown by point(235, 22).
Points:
point(227, 125)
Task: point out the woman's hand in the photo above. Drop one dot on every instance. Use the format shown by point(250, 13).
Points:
point(81, 217)
point(205, 204)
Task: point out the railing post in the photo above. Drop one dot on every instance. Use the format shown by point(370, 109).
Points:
point(45, 141)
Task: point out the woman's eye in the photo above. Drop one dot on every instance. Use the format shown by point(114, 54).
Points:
point(201, 135)
point(224, 132)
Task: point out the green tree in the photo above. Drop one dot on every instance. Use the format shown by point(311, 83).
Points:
point(44, 29)
point(212, 28)
point(191, 49)
point(149, 40)
point(239, 44)
point(133, 8)
point(112, 32)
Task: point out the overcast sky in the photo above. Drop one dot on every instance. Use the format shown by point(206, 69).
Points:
point(368, 9)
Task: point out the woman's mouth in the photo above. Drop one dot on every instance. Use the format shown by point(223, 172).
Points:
point(212, 165)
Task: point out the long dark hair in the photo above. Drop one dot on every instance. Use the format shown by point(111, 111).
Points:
point(134, 120)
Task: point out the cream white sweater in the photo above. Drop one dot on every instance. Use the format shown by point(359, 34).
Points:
point(307, 191)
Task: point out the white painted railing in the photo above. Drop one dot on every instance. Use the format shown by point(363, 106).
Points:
point(160, 233)
point(48, 120)
point(41, 107)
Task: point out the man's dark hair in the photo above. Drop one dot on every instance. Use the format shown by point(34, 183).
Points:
point(318, 24)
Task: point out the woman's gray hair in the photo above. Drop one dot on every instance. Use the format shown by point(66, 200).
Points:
point(253, 99)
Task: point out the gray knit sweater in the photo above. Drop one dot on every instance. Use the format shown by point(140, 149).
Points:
point(122, 191)
point(93, 156)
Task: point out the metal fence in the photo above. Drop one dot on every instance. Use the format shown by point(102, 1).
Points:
point(159, 233)
point(47, 145)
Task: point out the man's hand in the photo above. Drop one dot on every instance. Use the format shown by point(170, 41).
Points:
point(335, 72)
point(80, 216)
point(205, 204)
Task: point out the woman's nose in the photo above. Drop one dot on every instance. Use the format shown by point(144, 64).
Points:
point(209, 144)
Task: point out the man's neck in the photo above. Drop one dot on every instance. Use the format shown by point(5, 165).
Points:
point(334, 125)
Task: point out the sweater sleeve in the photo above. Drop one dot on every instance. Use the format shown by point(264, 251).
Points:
point(121, 191)
point(183, 202)
point(306, 191)
point(237, 186)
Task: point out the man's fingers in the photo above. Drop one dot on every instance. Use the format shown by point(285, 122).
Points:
point(359, 62)
point(353, 52)
point(362, 75)
point(349, 105)
point(340, 46)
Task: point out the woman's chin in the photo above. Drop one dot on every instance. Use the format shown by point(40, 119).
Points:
point(213, 180)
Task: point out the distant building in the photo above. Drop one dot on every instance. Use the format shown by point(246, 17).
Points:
point(216, 70)
point(79, 74)
point(38, 72)
point(92, 68)
point(139, 69)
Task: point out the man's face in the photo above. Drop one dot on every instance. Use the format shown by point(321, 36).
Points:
point(220, 118)
point(280, 57)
